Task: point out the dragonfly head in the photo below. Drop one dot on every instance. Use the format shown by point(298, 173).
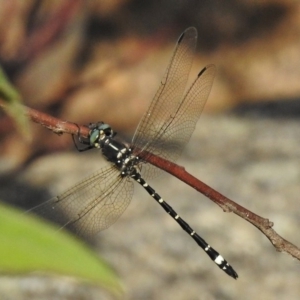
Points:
point(99, 133)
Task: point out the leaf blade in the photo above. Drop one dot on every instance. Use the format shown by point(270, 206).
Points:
point(28, 245)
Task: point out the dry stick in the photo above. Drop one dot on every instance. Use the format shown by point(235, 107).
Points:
point(56, 125)
point(264, 225)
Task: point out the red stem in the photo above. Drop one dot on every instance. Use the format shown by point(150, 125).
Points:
point(264, 225)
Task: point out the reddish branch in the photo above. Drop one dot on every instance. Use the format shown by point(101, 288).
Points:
point(264, 225)
point(58, 126)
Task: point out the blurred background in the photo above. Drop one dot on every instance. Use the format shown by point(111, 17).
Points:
point(86, 61)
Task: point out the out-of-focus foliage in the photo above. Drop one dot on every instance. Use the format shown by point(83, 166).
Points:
point(28, 245)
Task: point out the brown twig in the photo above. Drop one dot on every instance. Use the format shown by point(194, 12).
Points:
point(56, 125)
point(264, 225)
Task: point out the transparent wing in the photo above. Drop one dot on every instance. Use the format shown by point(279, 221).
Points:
point(177, 130)
point(168, 96)
point(171, 118)
point(92, 205)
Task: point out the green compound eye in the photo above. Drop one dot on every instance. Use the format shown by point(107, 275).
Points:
point(94, 136)
point(105, 127)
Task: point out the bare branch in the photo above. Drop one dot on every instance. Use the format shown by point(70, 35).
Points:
point(264, 225)
point(56, 125)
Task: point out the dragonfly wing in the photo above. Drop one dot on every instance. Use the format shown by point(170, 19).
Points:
point(177, 130)
point(169, 94)
point(171, 118)
point(91, 205)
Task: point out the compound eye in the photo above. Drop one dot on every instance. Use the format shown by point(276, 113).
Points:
point(94, 137)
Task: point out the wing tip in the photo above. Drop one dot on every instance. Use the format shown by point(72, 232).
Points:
point(211, 67)
point(190, 31)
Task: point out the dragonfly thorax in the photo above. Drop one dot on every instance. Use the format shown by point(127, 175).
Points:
point(121, 156)
point(116, 152)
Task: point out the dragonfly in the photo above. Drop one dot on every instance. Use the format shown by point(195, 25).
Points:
point(99, 200)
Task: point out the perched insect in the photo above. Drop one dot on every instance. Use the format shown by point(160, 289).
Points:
point(98, 201)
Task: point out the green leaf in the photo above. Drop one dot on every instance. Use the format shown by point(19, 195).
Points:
point(28, 244)
point(13, 106)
